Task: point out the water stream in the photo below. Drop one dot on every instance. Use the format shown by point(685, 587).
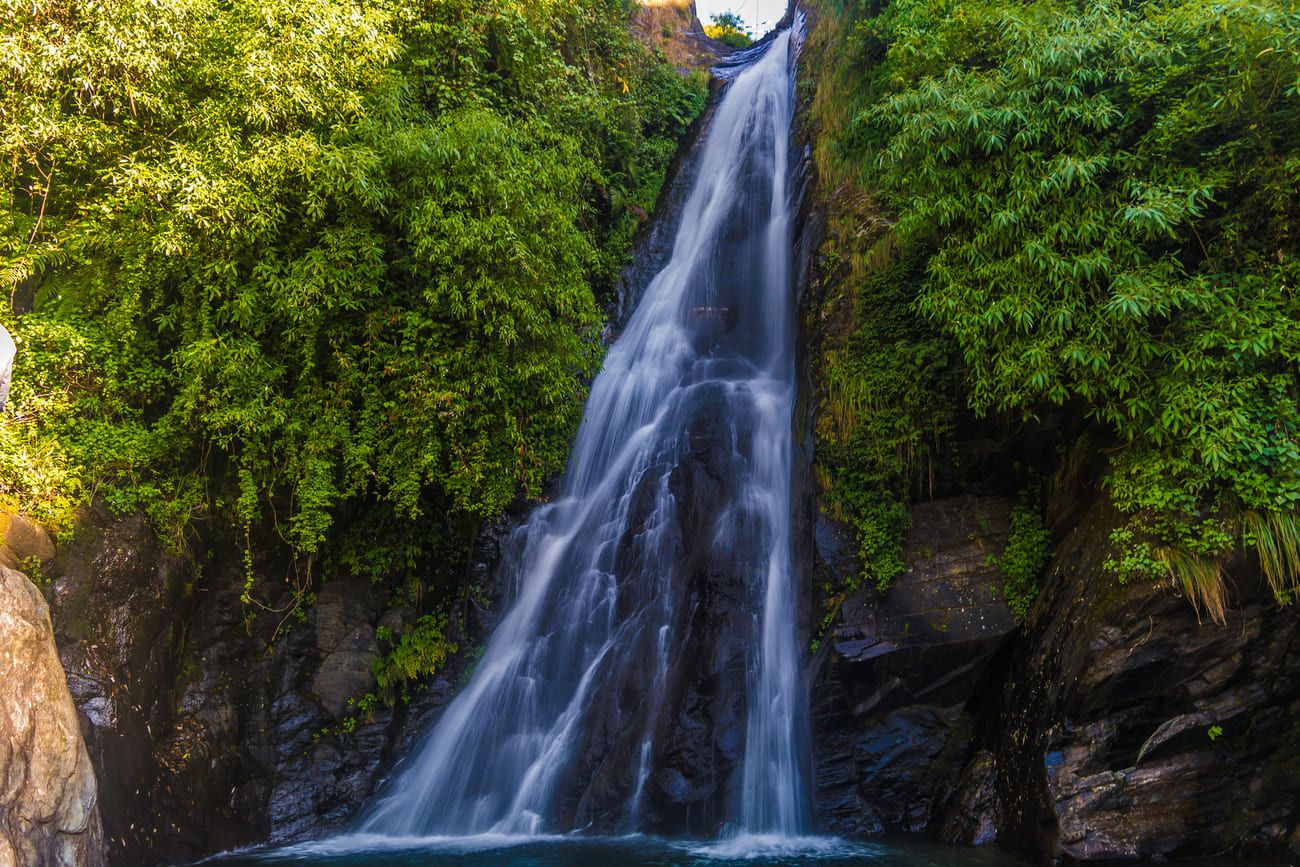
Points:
point(678, 485)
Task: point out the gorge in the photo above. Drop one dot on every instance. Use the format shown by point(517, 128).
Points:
point(401, 537)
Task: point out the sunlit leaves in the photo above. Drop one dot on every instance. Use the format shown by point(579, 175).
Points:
point(315, 251)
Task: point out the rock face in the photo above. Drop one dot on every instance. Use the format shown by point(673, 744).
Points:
point(890, 721)
point(1114, 727)
point(1127, 729)
point(120, 606)
point(49, 810)
point(346, 614)
point(211, 728)
point(673, 27)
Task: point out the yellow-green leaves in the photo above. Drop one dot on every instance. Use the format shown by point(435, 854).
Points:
point(287, 255)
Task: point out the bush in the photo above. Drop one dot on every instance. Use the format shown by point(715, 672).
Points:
point(284, 257)
point(1027, 554)
point(1104, 201)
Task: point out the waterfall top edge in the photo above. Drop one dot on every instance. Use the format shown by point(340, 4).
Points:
point(731, 65)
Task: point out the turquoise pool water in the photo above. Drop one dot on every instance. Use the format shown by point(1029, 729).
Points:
point(637, 851)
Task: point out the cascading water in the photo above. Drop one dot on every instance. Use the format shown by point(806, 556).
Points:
point(678, 489)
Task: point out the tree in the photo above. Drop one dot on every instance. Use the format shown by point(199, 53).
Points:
point(287, 256)
point(729, 29)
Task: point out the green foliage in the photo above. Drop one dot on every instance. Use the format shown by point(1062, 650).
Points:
point(1275, 536)
point(419, 653)
point(729, 29)
point(1029, 548)
point(1104, 199)
point(886, 414)
point(33, 569)
point(1197, 567)
point(284, 257)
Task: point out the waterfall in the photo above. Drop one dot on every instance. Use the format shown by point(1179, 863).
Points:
point(679, 482)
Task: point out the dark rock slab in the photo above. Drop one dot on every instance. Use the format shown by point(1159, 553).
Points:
point(1102, 747)
point(120, 603)
point(890, 704)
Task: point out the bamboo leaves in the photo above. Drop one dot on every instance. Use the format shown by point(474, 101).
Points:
point(1104, 196)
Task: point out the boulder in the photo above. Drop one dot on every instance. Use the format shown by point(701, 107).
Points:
point(22, 539)
point(49, 809)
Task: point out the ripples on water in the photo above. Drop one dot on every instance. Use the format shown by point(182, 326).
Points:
point(494, 850)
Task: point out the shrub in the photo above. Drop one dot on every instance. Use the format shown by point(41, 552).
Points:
point(1103, 198)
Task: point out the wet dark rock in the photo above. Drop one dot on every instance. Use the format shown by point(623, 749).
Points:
point(700, 738)
point(891, 725)
point(977, 812)
point(119, 605)
point(346, 613)
point(1127, 729)
point(212, 723)
point(698, 733)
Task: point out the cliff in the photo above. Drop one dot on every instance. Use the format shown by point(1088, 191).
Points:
point(1113, 723)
